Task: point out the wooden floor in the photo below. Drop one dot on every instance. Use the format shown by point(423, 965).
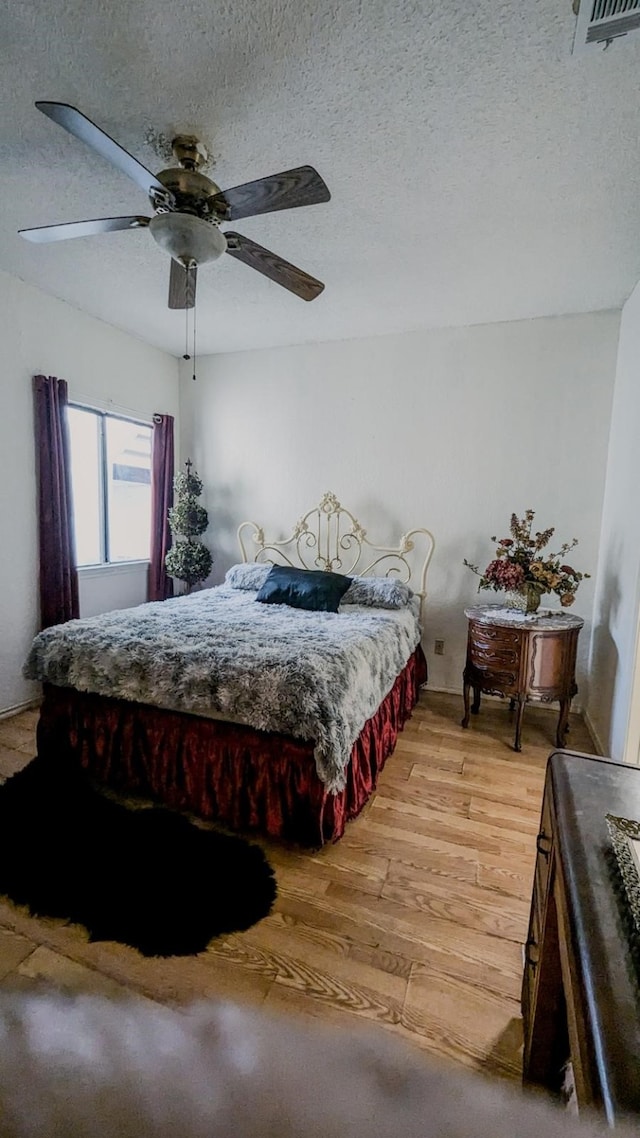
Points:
point(414, 921)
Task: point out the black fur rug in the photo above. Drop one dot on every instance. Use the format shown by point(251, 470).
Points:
point(147, 877)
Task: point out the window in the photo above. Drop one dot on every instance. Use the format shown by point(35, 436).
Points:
point(111, 485)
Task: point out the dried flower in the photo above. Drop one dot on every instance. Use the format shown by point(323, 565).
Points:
point(518, 563)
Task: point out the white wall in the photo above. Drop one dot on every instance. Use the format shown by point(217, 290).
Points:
point(452, 429)
point(104, 367)
point(617, 596)
point(102, 588)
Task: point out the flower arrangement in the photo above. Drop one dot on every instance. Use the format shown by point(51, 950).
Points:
point(520, 566)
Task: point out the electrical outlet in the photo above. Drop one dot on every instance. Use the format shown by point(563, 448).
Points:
point(439, 648)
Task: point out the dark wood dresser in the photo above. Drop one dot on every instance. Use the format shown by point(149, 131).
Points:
point(521, 657)
point(580, 990)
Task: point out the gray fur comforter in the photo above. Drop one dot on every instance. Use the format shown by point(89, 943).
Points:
point(314, 675)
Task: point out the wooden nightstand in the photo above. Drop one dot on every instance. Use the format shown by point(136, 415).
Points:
point(523, 658)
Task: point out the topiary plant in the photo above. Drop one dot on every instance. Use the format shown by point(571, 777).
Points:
point(188, 560)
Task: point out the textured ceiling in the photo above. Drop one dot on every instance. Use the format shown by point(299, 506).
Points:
point(479, 171)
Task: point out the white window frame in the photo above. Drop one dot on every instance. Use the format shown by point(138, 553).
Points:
point(103, 566)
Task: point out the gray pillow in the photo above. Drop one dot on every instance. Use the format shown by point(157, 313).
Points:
point(248, 575)
point(378, 592)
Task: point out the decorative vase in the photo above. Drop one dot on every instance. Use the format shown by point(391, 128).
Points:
point(526, 599)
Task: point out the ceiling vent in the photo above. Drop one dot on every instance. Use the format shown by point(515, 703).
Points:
point(600, 22)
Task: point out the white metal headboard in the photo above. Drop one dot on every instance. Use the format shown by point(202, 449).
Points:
point(331, 538)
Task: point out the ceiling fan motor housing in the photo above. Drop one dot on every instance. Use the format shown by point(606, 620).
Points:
point(193, 192)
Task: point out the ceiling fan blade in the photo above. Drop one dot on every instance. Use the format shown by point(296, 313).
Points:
point(182, 285)
point(83, 128)
point(291, 188)
point(273, 266)
point(82, 228)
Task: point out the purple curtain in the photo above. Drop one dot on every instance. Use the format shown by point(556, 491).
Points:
point(160, 583)
point(58, 576)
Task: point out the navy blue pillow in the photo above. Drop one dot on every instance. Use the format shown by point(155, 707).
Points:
point(310, 589)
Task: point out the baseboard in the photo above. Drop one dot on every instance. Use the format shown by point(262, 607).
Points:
point(7, 712)
point(595, 738)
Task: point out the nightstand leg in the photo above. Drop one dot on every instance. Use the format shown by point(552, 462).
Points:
point(563, 722)
point(466, 689)
point(517, 746)
point(475, 706)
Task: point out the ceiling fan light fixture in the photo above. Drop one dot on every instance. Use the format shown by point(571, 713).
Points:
point(187, 238)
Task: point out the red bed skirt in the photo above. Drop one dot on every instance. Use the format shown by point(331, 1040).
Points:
point(243, 778)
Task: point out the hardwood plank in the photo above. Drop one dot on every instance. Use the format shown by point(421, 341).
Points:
point(326, 980)
point(347, 937)
point(364, 868)
point(445, 948)
point(428, 752)
point(383, 959)
point(448, 797)
point(506, 875)
point(399, 765)
point(476, 1028)
point(45, 967)
point(482, 779)
point(494, 773)
point(491, 959)
point(521, 818)
point(329, 956)
point(17, 736)
point(319, 919)
point(432, 824)
point(307, 879)
point(464, 904)
point(444, 858)
point(13, 950)
point(11, 761)
point(303, 1005)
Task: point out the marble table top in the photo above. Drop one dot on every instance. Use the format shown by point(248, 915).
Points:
point(546, 620)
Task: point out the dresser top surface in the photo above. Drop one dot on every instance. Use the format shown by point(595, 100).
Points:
point(544, 620)
point(585, 789)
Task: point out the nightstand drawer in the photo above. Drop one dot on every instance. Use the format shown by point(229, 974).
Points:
point(493, 678)
point(493, 656)
point(496, 637)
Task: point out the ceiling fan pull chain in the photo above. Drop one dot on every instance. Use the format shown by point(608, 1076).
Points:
point(186, 355)
point(195, 302)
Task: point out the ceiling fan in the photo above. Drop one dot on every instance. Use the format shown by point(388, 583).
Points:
point(189, 207)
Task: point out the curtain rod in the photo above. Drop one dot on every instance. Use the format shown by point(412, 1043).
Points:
point(110, 405)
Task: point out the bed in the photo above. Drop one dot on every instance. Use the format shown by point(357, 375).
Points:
point(260, 716)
